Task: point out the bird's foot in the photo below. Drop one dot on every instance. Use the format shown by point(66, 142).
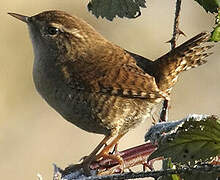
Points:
point(115, 158)
point(87, 160)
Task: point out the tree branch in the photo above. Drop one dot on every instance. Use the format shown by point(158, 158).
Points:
point(200, 169)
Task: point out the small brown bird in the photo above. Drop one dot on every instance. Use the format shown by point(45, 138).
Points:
point(97, 85)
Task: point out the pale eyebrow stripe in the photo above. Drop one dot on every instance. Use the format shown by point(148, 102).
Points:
point(73, 31)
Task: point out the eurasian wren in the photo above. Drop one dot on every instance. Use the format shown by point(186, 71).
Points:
point(97, 85)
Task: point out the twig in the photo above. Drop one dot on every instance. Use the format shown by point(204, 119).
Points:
point(176, 30)
point(176, 33)
point(131, 157)
point(202, 169)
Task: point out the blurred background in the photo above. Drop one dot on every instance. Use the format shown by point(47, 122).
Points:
point(33, 136)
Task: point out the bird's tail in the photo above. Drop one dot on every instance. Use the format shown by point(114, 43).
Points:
point(186, 56)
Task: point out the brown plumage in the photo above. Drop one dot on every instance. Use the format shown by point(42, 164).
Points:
point(97, 85)
point(189, 55)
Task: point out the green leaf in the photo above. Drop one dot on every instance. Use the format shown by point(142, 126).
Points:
point(209, 5)
point(197, 139)
point(109, 9)
point(216, 32)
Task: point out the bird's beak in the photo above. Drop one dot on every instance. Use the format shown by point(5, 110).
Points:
point(20, 17)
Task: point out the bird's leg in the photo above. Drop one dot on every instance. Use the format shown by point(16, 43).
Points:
point(105, 153)
point(87, 160)
point(106, 149)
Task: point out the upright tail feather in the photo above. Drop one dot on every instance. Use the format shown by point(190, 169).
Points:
point(186, 56)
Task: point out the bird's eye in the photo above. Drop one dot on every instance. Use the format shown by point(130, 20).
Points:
point(52, 30)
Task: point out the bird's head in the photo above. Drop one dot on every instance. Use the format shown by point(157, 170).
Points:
point(56, 32)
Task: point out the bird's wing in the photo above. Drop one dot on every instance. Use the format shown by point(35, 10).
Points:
point(113, 71)
point(117, 74)
point(130, 81)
